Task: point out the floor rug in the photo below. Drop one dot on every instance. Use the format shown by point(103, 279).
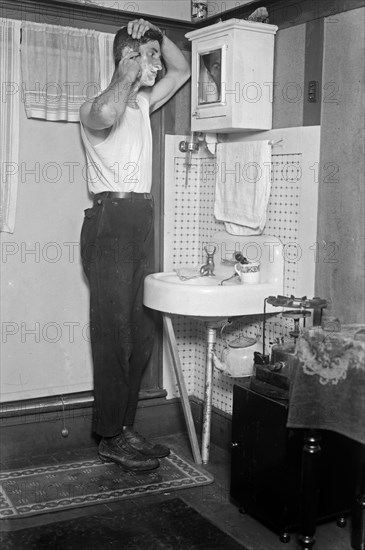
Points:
point(38, 490)
point(167, 525)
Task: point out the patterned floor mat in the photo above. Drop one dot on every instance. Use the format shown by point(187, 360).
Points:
point(39, 490)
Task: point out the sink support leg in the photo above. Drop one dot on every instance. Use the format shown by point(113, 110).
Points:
point(207, 410)
point(182, 388)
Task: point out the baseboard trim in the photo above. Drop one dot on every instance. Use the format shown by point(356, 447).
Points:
point(77, 400)
point(39, 431)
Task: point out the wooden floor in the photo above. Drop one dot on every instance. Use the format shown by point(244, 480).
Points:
point(212, 501)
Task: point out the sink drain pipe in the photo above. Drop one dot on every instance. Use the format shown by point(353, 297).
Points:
point(207, 410)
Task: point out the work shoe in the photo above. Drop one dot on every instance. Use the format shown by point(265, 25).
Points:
point(143, 446)
point(117, 449)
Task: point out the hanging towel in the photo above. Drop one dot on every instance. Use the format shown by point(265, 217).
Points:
point(243, 182)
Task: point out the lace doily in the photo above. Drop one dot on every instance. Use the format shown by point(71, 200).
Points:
point(330, 355)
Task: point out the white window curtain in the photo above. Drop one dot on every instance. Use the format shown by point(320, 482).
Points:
point(106, 58)
point(9, 120)
point(60, 70)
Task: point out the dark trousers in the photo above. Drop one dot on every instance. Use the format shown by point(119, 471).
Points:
point(117, 253)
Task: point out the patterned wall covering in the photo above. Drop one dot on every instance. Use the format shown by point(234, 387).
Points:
point(189, 224)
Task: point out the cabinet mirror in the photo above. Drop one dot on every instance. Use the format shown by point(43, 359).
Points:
point(210, 76)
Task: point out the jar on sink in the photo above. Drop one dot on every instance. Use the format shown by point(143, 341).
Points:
point(249, 272)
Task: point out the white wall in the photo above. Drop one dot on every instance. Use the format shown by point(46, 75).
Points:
point(44, 309)
point(218, 6)
point(174, 9)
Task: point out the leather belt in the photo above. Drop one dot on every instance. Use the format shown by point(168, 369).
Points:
point(121, 195)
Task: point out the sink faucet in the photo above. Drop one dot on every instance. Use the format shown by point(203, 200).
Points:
point(208, 268)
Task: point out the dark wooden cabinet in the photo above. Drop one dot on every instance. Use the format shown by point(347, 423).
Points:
point(266, 463)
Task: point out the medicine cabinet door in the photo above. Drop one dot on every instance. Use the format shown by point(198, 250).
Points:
point(209, 78)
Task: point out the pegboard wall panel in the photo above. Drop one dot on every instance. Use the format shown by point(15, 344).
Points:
point(184, 204)
point(191, 350)
point(207, 222)
point(189, 225)
point(283, 211)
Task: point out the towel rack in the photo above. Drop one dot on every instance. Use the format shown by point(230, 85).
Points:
point(273, 143)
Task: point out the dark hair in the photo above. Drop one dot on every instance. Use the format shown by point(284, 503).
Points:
point(123, 39)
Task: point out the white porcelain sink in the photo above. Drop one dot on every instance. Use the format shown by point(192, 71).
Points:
point(205, 297)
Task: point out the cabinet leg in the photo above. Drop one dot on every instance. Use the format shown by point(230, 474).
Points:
point(358, 524)
point(309, 489)
point(341, 521)
point(284, 537)
point(358, 512)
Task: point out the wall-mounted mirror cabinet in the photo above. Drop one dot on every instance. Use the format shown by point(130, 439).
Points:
point(210, 76)
point(232, 76)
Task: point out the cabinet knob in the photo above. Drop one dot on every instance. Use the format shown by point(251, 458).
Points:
point(195, 114)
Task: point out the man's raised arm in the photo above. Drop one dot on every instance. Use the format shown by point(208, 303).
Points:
point(177, 67)
point(105, 109)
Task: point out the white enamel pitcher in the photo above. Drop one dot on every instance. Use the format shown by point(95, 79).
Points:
point(237, 359)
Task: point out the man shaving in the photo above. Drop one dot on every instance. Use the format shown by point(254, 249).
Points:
point(117, 233)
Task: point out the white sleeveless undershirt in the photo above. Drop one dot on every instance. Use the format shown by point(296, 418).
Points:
point(123, 161)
